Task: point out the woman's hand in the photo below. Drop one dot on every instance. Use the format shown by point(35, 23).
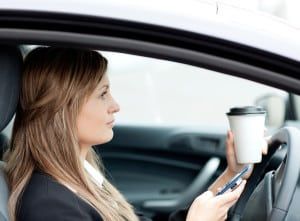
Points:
point(208, 207)
point(233, 167)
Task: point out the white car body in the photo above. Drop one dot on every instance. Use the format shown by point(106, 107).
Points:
point(210, 18)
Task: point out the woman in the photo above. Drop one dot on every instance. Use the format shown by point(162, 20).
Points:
point(65, 108)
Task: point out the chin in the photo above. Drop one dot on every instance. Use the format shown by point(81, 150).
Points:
point(104, 138)
point(108, 137)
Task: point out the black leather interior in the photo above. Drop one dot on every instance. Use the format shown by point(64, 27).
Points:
point(10, 76)
point(10, 69)
point(3, 144)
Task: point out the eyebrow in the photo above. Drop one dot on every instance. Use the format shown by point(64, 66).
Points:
point(105, 86)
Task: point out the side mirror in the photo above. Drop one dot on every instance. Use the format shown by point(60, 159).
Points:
point(275, 105)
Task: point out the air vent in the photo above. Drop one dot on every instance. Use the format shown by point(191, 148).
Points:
point(195, 142)
point(205, 143)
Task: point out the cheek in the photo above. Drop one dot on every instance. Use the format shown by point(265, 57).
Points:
point(91, 125)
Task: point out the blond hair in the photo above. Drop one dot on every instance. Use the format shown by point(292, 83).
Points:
point(55, 84)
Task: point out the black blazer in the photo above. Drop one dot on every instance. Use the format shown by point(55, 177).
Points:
point(47, 200)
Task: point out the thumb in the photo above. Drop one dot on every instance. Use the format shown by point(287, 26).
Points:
point(265, 147)
point(207, 195)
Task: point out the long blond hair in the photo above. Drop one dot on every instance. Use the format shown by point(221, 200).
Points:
point(55, 83)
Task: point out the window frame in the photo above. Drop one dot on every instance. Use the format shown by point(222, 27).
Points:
point(45, 28)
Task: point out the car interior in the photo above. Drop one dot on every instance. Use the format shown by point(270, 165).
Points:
point(11, 64)
point(162, 169)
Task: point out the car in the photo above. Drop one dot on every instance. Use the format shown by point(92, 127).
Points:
point(176, 71)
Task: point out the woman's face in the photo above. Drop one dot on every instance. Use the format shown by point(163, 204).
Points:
point(96, 118)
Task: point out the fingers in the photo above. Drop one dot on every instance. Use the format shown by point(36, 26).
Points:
point(266, 142)
point(231, 197)
point(229, 144)
point(230, 204)
point(233, 165)
point(207, 195)
point(208, 207)
point(265, 131)
point(265, 147)
point(268, 139)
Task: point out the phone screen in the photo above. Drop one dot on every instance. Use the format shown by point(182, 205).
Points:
point(235, 181)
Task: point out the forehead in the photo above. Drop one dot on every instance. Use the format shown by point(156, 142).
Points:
point(104, 81)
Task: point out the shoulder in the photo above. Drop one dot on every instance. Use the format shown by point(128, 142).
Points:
point(45, 199)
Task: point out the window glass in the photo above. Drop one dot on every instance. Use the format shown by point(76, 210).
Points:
point(158, 92)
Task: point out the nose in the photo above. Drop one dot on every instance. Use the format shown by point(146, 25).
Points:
point(115, 107)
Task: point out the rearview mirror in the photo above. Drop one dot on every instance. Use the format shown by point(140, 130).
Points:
point(275, 105)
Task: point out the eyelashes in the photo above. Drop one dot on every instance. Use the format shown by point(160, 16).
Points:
point(103, 94)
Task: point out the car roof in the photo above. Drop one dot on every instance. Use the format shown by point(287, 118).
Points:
point(216, 19)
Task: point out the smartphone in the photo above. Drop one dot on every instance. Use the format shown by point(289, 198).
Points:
point(235, 181)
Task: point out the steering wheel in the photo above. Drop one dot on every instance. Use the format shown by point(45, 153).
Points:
point(278, 187)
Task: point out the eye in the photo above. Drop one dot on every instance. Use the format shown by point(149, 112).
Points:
point(103, 94)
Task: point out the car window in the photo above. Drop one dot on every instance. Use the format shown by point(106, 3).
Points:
point(159, 92)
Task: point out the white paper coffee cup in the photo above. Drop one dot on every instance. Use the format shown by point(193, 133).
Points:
point(247, 125)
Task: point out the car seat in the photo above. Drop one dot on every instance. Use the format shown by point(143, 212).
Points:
point(10, 75)
point(3, 144)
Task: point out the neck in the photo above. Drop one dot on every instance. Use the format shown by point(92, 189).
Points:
point(84, 148)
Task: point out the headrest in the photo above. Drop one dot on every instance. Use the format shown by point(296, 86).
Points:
point(10, 76)
point(4, 193)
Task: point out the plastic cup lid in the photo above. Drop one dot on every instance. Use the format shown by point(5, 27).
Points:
point(246, 110)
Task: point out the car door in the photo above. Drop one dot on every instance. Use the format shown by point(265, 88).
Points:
point(170, 135)
point(156, 163)
point(159, 169)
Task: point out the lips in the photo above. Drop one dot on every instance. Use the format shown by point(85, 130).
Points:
point(111, 122)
